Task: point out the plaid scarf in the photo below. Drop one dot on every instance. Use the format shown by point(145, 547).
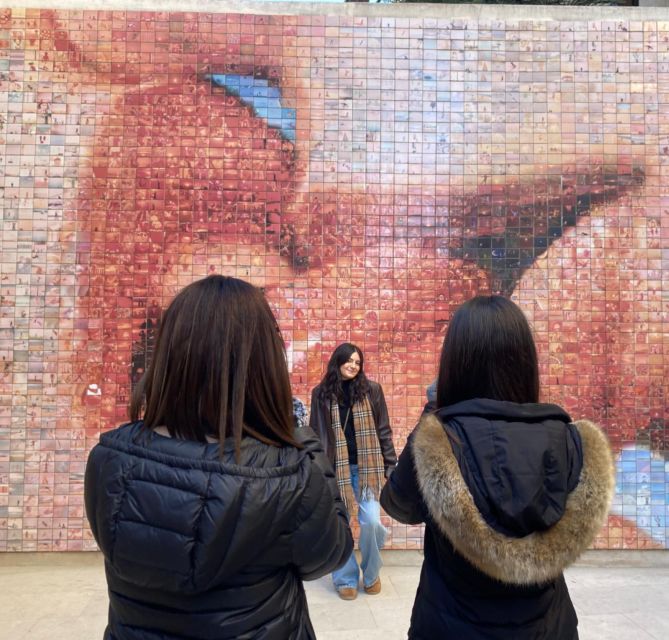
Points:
point(370, 460)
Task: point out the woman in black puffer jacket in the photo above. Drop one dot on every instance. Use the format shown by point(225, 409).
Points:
point(209, 507)
point(511, 490)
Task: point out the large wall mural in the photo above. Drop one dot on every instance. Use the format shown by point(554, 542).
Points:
point(371, 173)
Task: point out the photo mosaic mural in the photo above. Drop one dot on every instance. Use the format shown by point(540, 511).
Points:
point(370, 173)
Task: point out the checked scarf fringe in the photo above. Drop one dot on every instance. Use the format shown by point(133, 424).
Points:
point(370, 460)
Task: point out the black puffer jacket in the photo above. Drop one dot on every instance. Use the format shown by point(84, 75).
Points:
point(511, 495)
point(205, 549)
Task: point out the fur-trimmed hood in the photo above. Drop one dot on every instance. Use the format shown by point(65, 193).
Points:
point(563, 529)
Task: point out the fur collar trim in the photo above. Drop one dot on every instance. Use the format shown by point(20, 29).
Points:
point(537, 558)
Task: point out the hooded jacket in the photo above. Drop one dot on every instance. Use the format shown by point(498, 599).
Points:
point(201, 547)
point(511, 495)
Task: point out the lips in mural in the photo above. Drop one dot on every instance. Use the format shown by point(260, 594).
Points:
point(369, 195)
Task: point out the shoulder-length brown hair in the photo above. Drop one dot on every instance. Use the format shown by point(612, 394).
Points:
point(219, 368)
point(488, 352)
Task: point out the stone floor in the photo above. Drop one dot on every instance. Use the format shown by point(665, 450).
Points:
point(618, 595)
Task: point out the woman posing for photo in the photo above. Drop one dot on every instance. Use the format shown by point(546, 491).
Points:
point(349, 413)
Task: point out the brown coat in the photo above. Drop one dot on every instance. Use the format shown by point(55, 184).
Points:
point(321, 422)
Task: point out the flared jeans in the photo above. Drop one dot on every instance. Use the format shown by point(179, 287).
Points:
point(372, 538)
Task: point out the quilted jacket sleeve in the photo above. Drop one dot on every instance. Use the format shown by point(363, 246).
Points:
point(322, 541)
point(104, 487)
point(91, 487)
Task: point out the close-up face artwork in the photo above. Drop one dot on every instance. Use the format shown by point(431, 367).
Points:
point(370, 174)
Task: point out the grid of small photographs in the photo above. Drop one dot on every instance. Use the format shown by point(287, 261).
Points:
point(370, 174)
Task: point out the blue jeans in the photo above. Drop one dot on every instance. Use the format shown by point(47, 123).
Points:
point(372, 537)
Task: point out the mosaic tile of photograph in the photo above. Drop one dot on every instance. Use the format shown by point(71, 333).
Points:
point(370, 174)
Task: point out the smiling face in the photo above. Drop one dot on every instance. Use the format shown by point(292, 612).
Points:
point(351, 368)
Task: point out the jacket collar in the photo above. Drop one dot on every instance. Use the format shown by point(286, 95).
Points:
point(536, 558)
point(500, 410)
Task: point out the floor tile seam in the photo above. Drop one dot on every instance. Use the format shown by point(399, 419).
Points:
point(651, 634)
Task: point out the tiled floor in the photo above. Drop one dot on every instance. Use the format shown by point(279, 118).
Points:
point(621, 596)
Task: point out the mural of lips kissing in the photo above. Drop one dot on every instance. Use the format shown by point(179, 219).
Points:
point(370, 173)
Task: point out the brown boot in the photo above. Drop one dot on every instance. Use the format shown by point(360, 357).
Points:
point(347, 593)
point(374, 588)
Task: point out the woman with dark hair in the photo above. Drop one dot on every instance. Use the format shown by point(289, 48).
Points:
point(209, 506)
point(511, 490)
point(349, 413)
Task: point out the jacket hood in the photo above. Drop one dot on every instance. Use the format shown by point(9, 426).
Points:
point(519, 461)
point(518, 490)
point(174, 515)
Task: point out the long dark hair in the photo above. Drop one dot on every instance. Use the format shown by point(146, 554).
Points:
point(488, 352)
point(219, 368)
point(331, 382)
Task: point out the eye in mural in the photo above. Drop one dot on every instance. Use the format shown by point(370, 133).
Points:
point(370, 174)
point(263, 98)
